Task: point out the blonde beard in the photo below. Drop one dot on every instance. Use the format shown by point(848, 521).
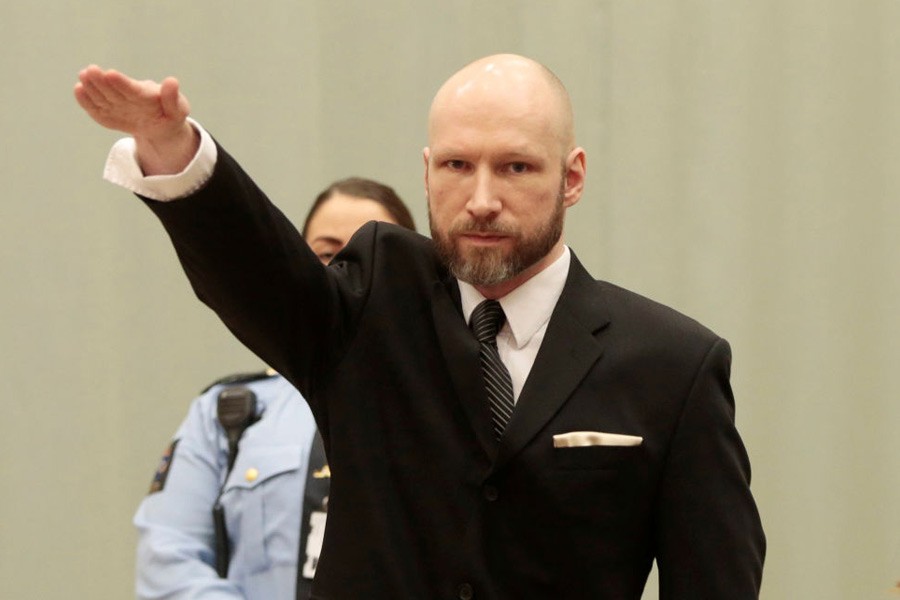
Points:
point(491, 266)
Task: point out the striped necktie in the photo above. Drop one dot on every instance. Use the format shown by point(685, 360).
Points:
point(487, 318)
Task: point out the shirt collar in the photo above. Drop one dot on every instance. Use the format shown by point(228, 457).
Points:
point(529, 306)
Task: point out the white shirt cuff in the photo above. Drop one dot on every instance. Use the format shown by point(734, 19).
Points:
point(122, 169)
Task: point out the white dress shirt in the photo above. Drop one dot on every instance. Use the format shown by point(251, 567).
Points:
point(122, 169)
point(528, 309)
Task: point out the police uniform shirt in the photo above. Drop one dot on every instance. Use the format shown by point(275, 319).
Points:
point(263, 500)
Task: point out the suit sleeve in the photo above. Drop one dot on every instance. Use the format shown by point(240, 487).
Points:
point(247, 262)
point(710, 542)
point(176, 541)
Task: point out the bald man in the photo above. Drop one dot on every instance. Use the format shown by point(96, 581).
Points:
point(554, 458)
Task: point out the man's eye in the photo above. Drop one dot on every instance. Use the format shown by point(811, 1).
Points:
point(518, 167)
point(456, 165)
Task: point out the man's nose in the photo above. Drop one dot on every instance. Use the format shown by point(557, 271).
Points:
point(484, 200)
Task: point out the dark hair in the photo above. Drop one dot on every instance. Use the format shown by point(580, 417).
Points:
point(367, 189)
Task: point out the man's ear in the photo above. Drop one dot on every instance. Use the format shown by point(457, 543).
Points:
point(576, 169)
point(426, 154)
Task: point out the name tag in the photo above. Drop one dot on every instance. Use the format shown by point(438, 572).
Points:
point(314, 542)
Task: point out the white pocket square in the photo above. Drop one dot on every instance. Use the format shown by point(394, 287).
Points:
point(595, 438)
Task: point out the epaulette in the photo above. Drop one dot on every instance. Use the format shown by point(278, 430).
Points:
point(239, 378)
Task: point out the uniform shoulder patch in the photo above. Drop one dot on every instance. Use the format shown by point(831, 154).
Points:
point(241, 378)
point(162, 471)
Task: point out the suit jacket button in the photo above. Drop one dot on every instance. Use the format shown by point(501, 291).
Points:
point(466, 592)
point(491, 493)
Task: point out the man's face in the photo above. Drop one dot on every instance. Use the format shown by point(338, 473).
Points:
point(496, 180)
point(337, 219)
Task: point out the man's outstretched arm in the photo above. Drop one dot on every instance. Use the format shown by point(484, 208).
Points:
point(154, 114)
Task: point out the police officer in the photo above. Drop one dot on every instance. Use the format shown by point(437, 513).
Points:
point(237, 506)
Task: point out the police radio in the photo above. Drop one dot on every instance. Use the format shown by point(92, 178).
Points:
point(236, 411)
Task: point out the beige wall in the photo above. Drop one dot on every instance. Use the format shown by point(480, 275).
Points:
point(742, 168)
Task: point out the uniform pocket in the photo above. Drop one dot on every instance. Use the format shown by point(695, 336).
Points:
point(255, 465)
point(262, 500)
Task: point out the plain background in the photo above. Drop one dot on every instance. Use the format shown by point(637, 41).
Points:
point(742, 167)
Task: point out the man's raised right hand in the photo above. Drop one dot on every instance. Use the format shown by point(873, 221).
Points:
point(155, 114)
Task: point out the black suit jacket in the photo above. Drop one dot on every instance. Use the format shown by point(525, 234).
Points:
point(424, 504)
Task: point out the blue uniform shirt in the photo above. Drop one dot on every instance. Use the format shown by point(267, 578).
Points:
point(263, 499)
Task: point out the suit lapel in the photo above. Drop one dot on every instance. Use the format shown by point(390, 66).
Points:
point(568, 352)
point(460, 350)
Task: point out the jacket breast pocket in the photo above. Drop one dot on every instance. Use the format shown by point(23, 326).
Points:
point(262, 499)
point(580, 458)
point(595, 485)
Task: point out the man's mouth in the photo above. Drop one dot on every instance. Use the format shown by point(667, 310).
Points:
point(483, 238)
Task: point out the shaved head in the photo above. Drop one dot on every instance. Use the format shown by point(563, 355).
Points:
point(501, 169)
point(508, 85)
